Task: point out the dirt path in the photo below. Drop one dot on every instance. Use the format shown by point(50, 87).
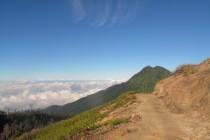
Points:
point(151, 120)
point(157, 123)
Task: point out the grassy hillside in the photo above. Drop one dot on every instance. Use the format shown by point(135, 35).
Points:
point(81, 123)
point(142, 82)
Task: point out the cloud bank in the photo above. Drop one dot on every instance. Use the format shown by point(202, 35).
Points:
point(105, 12)
point(40, 94)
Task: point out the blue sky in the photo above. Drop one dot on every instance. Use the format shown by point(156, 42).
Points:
point(99, 39)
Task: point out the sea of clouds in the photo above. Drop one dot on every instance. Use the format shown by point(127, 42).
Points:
point(16, 96)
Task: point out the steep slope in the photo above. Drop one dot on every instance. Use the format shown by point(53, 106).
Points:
point(187, 89)
point(144, 82)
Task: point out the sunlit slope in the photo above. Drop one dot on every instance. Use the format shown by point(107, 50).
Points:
point(188, 88)
point(86, 121)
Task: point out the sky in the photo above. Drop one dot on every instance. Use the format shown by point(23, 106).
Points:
point(99, 39)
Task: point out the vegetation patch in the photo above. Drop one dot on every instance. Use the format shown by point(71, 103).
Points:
point(187, 70)
point(116, 122)
point(85, 121)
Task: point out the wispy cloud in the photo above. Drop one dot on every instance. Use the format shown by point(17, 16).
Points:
point(134, 12)
point(105, 12)
point(119, 12)
point(78, 9)
point(103, 16)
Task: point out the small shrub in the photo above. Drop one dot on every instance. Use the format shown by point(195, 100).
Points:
point(118, 121)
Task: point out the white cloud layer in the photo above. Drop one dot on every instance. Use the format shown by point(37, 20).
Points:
point(41, 94)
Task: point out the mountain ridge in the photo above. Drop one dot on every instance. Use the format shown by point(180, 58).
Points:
point(144, 82)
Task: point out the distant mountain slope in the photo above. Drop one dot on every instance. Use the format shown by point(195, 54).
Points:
point(143, 82)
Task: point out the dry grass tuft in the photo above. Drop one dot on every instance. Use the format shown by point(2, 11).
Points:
point(187, 70)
